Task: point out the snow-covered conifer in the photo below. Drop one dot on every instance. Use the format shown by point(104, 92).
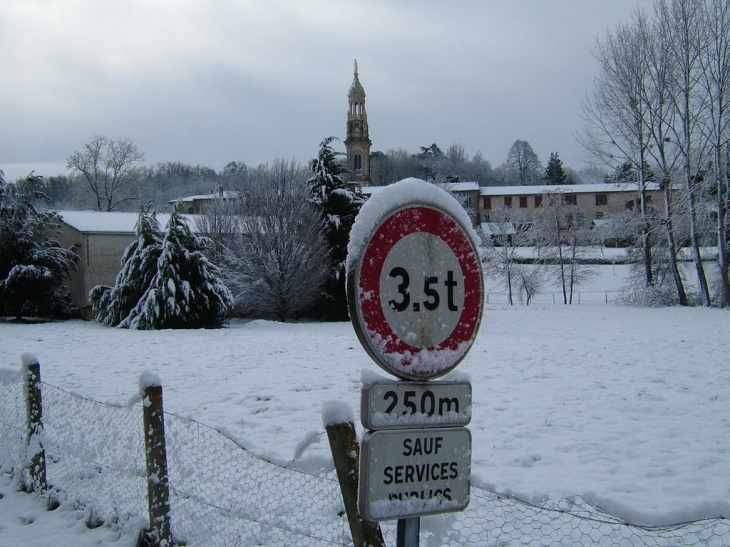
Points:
point(186, 291)
point(112, 305)
point(33, 265)
point(339, 205)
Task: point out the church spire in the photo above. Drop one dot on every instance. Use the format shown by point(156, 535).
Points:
point(357, 141)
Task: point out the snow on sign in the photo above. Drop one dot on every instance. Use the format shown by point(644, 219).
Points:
point(414, 280)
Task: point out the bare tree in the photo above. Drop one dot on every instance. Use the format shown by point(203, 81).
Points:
point(502, 240)
point(680, 23)
point(109, 168)
point(276, 261)
point(523, 164)
point(617, 117)
point(220, 224)
point(663, 152)
point(559, 233)
point(715, 82)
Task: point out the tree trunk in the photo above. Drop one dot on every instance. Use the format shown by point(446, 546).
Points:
point(722, 250)
point(695, 239)
point(562, 273)
point(509, 286)
point(646, 243)
point(672, 245)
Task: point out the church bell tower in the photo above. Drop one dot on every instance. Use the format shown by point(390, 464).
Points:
point(357, 142)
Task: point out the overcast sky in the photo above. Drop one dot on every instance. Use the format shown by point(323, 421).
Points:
point(254, 80)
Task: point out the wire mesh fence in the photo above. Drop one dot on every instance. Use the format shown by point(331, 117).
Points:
point(577, 298)
point(95, 454)
point(220, 494)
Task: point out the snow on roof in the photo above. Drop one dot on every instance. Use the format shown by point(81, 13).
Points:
point(498, 228)
point(459, 186)
point(99, 222)
point(225, 194)
point(538, 189)
point(596, 188)
point(370, 190)
point(448, 186)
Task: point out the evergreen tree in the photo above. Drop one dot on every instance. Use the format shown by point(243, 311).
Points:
point(339, 205)
point(112, 305)
point(33, 265)
point(186, 291)
point(554, 172)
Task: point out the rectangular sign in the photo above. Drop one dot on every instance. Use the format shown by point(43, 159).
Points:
point(396, 405)
point(414, 472)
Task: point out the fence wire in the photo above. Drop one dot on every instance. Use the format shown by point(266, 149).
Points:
point(13, 430)
point(220, 494)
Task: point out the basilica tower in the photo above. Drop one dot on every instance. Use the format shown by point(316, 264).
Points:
point(357, 142)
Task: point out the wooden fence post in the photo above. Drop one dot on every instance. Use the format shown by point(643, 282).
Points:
point(346, 454)
point(158, 492)
point(36, 454)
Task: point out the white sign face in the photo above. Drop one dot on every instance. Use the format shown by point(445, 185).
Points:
point(422, 289)
point(397, 405)
point(414, 472)
point(416, 293)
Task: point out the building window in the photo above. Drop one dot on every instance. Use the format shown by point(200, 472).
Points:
point(599, 215)
point(601, 200)
point(570, 199)
point(467, 200)
point(357, 164)
point(538, 201)
point(569, 220)
point(630, 205)
point(487, 201)
point(580, 220)
point(648, 199)
point(523, 202)
point(508, 202)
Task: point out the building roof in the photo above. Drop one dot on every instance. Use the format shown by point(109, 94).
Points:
point(221, 194)
point(597, 188)
point(449, 186)
point(98, 222)
point(498, 228)
point(459, 186)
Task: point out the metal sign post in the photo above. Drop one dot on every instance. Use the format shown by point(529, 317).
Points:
point(415, 294)
point(408, 531)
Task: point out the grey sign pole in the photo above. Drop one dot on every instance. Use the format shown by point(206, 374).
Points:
point(408, 532)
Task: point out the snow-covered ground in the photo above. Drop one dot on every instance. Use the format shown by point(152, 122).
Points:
point(627, 407)
point(25, 522)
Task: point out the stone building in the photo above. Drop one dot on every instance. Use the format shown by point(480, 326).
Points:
point(592, 201)
point(357, 140)
point(102, 239)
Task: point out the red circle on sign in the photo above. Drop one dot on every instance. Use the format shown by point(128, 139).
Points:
point(385, 345)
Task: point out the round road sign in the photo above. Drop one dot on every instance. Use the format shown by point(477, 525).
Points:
point(415, 292)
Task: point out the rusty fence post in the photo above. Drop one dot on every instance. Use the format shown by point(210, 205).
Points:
point(36, 454)
point(346, 454)
point(158, 491)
